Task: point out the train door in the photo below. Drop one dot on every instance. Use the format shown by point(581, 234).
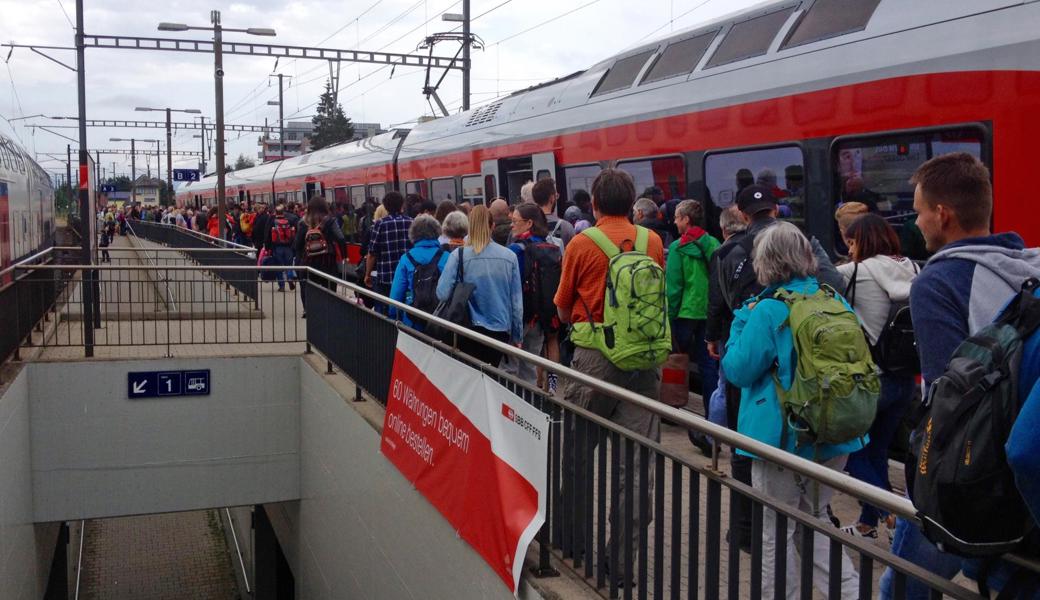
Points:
point(312, 188)
point(489, 170)
point(543, 165)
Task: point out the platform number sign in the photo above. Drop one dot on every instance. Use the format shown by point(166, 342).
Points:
point(185, 174)
point(158, 384)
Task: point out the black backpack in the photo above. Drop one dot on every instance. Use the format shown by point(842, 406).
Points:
point(543, 262)
point(895, 351)
point(742, 283)
point(424, 282)
point(963, 487)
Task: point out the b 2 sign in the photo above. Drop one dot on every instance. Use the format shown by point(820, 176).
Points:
point(474, 449)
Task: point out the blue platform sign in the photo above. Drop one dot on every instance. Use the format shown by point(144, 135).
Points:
point(153, 384)
point(107, 188)
point(185, 174)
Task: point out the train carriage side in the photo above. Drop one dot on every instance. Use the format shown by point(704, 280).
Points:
point(827, 107)
point(26, 205)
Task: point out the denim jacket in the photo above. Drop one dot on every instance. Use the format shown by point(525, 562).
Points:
point(497, 303)
point(404, 276)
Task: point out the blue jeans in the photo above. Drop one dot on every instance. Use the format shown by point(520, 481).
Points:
point(909, 543)
point(870, 464)
point(283, 257)
point(688, 337)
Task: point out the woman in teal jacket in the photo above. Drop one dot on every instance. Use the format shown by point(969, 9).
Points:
point(423, 234)
point(760, 345)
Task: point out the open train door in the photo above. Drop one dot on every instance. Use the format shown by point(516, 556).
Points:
point(492, 180)
point(543, 165)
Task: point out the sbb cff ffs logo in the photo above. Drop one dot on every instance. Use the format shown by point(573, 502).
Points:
point(523, 423)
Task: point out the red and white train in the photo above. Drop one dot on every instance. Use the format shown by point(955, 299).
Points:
point(830, 97)
point(26, 205)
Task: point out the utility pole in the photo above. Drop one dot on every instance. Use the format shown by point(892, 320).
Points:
point(281, 119)
point(85, 210)
point(465, 55)
point(169, 158)
point(68, 167)
point(202, 170)
point(218, 73)
point(133, 170)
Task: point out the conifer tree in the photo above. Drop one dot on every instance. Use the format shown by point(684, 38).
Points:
point(331, 126)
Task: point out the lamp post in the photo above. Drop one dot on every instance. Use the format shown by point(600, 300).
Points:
point(133, 162)
point(218, 81)
point(169, 139)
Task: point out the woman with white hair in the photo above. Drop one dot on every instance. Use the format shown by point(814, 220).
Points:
point(454, 230)
point(760, 356)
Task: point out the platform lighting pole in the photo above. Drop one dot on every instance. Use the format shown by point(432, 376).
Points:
point(202, 166)
point(218, 84)
point(68, 167)
point(281, 117)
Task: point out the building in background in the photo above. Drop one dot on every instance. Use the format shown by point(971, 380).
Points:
point(298, 141)
point(148, 190)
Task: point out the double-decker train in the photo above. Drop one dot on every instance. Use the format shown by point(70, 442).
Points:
point(26, 205)
point(826, 100)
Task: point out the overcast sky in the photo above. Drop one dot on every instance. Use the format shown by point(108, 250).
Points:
point(564, 36)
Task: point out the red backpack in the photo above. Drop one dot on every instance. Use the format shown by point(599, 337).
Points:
point(282, 232)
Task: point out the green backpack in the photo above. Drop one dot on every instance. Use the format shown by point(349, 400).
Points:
point(834, 395)
point(634, 334)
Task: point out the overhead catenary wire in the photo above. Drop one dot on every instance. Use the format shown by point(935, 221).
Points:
point(66, 13)
point(546, 22)
point(671, 21)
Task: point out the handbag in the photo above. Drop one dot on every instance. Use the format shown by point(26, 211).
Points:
point(675, 380)
point(456, 308)
point(266, 259)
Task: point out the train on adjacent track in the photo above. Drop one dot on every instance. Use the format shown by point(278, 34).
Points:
point(26, 205)
point(826, 100)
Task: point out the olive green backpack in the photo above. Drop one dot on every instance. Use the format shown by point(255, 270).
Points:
point(635, 334)
point(834, 395)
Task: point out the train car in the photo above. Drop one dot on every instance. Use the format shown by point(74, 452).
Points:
point(825, 100)
point(345, 173)
point(26, 205)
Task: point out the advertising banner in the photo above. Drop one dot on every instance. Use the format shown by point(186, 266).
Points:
point(474, 449)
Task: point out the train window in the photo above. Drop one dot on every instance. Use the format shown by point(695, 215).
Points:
point(580, 178)
point(490, 189)
point(680, 58)
point(830, 18)
point(668, 174)
point(543, 174)
point(377, 191)
point(876, 171)
point(782, 169)
point(750, 38)
point(442, 189)
point(473, 189)
point(357, 196)
point(340, 196)
point(622, 74)
point(418, 188)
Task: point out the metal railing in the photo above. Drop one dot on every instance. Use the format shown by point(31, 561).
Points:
point(25, 299)
point(665, 538)
point(680, 550)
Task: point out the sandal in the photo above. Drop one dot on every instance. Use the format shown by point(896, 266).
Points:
point(855, 531)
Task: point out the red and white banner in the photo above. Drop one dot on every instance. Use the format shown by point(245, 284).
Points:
point(474, 449)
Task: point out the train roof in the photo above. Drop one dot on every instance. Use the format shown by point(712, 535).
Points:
point(28, 165)
point(737, 58)
point(374, 150)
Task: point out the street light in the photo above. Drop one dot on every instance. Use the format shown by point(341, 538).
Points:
point(133, 161)
point(218, 77)
point(169, 139)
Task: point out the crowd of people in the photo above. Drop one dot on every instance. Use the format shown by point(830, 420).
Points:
point(613, 284)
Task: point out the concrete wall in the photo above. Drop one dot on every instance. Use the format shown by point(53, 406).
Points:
point(25, 550)
point(98, 454)
point(360, 530)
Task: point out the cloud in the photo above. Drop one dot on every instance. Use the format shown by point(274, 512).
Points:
point(120, 80)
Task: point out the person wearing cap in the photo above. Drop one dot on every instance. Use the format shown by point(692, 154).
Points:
point(732, 282)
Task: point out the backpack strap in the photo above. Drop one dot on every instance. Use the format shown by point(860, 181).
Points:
point(642, 239)
point(459, 273)
point(408, 255)
point(437, 256)
point(604, 243)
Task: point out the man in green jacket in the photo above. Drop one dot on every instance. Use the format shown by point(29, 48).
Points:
point(686, 275)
